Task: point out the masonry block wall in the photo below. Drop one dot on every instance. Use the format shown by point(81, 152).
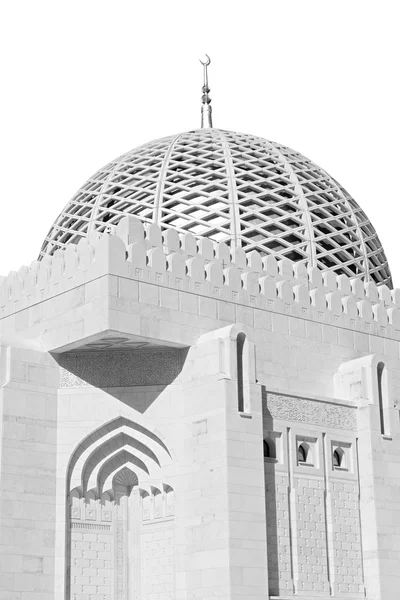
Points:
point(313, 500)
point(28, 468)
point(152, 369)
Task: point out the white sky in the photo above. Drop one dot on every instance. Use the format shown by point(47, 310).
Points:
point(84, 81)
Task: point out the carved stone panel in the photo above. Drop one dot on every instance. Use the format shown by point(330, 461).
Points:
point(310, 558)
point(347, 573)
point(278, 533)
point(90, 560)
point(311, 412)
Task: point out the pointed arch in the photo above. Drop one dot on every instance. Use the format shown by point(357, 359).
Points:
point(104, 450)
point(126, 477)
point(94, 477)
point(104, 476)
point(105, 430)
point(147, 444)
point(113, 465)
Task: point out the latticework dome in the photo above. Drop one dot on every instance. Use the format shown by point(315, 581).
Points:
point(230, 187)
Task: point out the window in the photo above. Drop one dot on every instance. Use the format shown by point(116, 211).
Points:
point(341, 456)
point(269, 448)
point(302, 453)
point(380, 370)
point(337, 457)
point(306, 451)
point(267, 452)
point(240, 340)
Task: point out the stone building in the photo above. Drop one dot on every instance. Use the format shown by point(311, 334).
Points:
point(199, 381)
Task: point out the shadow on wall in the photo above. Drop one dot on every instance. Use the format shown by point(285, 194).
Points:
point(275, 495)
point(117, 371)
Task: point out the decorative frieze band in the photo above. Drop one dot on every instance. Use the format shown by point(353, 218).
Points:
point(311, 412)
point(91, 526)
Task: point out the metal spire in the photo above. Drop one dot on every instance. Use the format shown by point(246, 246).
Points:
point(206, 110)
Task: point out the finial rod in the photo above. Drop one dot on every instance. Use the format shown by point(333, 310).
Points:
point(206, 110)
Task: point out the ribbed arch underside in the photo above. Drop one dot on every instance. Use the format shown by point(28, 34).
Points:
point(235, 188)
point(120, 433)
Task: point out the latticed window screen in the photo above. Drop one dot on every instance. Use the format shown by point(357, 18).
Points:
point(230, 187)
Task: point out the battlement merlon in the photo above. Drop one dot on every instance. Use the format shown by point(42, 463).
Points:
point(101, 286)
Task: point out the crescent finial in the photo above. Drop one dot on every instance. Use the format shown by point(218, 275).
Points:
point(206, 119)
point(207, 62)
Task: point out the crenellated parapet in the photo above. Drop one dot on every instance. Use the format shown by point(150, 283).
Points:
point(142, 252)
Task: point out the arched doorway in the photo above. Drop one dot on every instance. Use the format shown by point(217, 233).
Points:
point(119, 523)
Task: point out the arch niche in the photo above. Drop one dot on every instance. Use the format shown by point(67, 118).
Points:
point(113, 507)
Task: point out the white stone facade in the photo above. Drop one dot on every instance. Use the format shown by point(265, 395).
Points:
point(140, 374)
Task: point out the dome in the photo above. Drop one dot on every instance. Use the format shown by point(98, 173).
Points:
point(231, 187)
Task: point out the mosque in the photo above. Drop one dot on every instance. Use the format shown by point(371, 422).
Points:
point(199, 383)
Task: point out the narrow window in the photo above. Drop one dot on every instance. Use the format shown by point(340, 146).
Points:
point(380, 369)
point(269, 448)
point(240, 340)
point(337, 457)
point(267, 453)
point(302, 452)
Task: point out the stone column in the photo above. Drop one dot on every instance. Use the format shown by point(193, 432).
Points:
point(28, 416)
point(378, 450)
point(220, 512)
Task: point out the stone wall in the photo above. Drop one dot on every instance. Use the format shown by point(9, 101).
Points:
point(207, 270)
point(312, 507)
point(303, 330)
point(28, 470)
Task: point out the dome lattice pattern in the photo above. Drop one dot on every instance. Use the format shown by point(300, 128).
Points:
point(230, 187)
